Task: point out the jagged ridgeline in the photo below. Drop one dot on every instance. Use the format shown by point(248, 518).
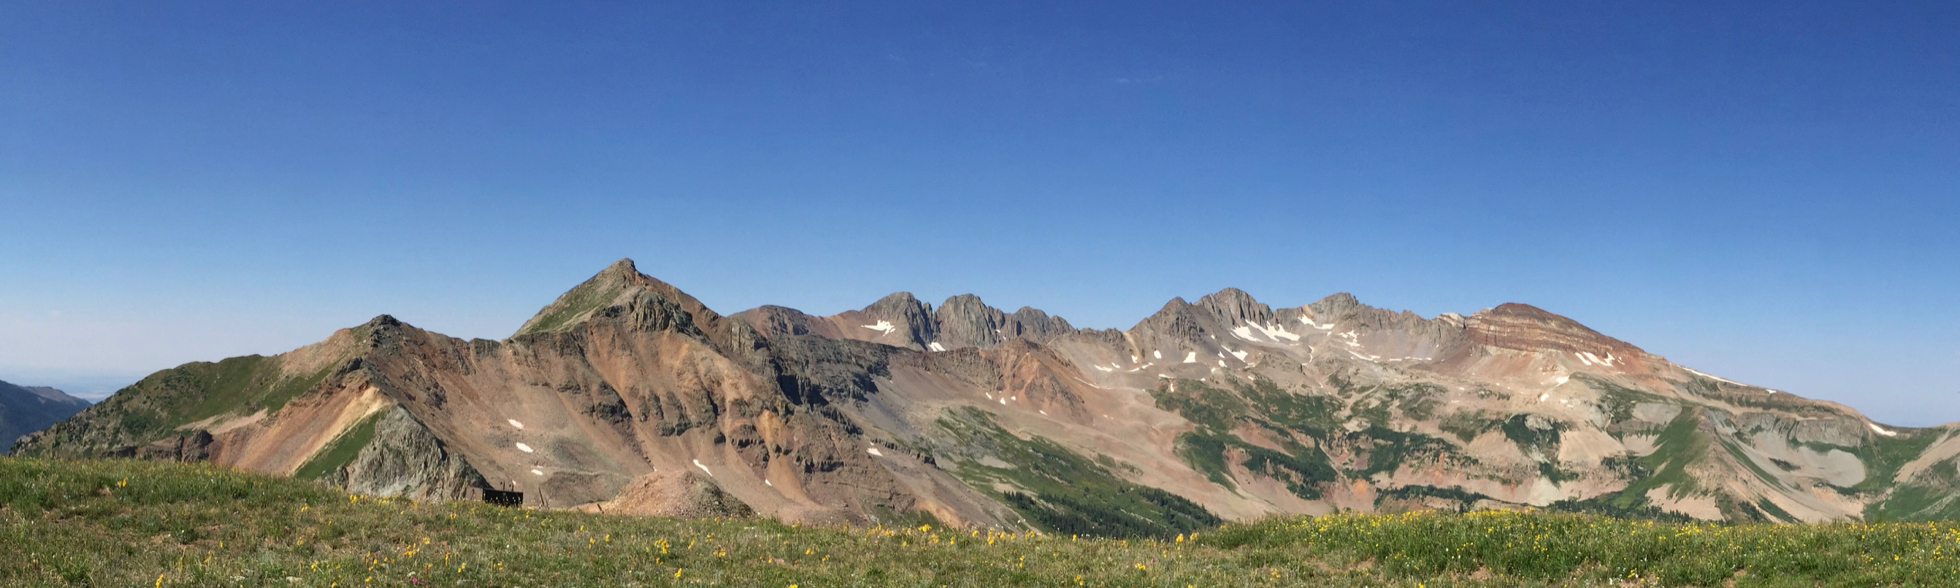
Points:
point(629, 396)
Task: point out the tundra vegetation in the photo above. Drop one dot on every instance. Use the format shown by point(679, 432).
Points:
point(130, 523)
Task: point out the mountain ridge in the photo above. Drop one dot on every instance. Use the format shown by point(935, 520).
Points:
point(24, 409)
point(980, 417)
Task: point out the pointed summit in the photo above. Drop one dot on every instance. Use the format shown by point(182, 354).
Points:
point(965, 321)
point(1234, 307)
point(617, 284)
point(622, 267)
point(1336, 305)
point(898, 319)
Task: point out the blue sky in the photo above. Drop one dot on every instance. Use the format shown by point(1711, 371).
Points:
point(1764, 192)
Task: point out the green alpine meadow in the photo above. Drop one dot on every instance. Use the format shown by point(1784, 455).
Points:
point(136, 523)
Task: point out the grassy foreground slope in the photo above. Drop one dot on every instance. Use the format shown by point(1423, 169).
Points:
point(128, 523)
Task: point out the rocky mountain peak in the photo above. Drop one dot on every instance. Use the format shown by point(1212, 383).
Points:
point(1034, 324)
point(897, 304)
point(620, 284)
point(1337, 305)
point(624, 267)
point(898, 319)
point(1525, 327)
point(1234, 307)
point(1176, 321)
point(965, 321)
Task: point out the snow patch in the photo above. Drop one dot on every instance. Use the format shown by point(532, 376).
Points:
point(1711, 376)
point(514, 423)
point(524, 448)
point(1310, 323)
point(1881, 430)
point(1273, 333)
point(697, 463)
point(1104, 369)
point(1134, 359)
point(766, 482)
point(1243, 333)
point(1157, 354)
point(1240, 354)
point(1043, 412)
point(1191, 357)
point(882, 326)
point(537, 471)
point(1542, 397)
point(1280, 332)
point(1590, 359)
point(874, 451)
point(1003, 402)
point(935, 346)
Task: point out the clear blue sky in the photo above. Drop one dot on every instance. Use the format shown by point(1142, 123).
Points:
point(1763, 192)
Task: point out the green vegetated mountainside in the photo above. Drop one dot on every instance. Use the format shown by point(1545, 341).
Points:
point(24, 409)
point(149, 523)
point(1215, 410)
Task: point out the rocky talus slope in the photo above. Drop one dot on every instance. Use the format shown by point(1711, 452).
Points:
point(627, 395)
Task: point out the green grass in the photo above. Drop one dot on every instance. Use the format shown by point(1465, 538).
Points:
point(340, 451)
point(1467, 425)
point(1063, 492)
point(128, 523)
point(1883, 456)
point(586, 297)
point(1931, 495)
point(1392, 448)
point(156, 406)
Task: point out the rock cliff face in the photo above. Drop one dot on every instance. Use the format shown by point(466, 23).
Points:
point(405, 459)
point(900, 320)
point(1524, 327)
point(626, 395)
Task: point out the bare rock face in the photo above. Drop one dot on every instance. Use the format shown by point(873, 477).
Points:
point(1178, 320)
point(1233, 307)
point(406, 459)
point(1529, 328)
point(192, 447)
point(675, 494)
point(1035, 325)
point(964, 321)
point(773, 321)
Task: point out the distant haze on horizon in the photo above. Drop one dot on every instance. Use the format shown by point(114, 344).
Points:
point(1767, 194)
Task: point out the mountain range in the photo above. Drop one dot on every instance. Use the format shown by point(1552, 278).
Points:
point(31, 408)
point(626, 395)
